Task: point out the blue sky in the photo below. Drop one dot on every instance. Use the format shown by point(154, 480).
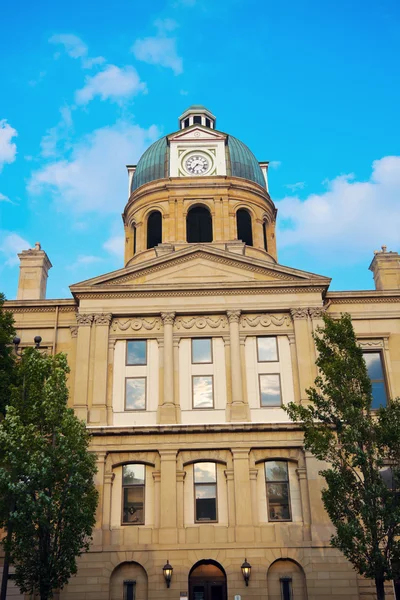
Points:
point(313, 87)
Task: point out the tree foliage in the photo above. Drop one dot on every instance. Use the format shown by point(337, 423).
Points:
point(7, 357)
point(359, 446)
point(46, 476)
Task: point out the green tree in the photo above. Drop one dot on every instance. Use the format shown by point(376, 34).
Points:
point(359, 447)
point(7, 357)
point(46, 476)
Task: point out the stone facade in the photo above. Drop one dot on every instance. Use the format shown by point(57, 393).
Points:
point(233, 294)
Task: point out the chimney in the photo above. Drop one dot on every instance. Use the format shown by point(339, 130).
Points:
point(386, 269)
point(34, 266)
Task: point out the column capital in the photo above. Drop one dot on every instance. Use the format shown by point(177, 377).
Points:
point(102, 318)
point(253, 474)
point(168, 318)
point(299, 313)
point(301, 472)
point(156, 476)
point(291, 337)
point(74, 331)
point(233, 315)
point(180, 476)
point(229, 474)
point(317, 312)
point(84, 320)
point(240, 453)
point(168, 454)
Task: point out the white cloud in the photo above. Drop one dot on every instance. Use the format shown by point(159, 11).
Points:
point(115, 245)
point(159, 50)
point(274, 164)
point(12, 243)
point(293, 187)
point(348, 220)
point(84, 260)
point(59, 134)
point(94, 179)
point(113, 83)
point(76, 48)
point(8, 150)
point(166, 25)
point(4, 198)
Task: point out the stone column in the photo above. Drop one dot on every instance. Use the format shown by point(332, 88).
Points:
point(157, 499)
point(180, 478)
point(167, 412)
point(243, 502)
point(254, 506)
point(230, 484)
point(228, 377)
point(180, 222)
point(110, 380)
point(295, 367)
point(258, 234)
point(239, 409)
point(168, 508)
point(176, 381)
point(107, 493)
point(305, 352)
point(82, 365)
point(99, 483)
point(305, 497)
point(316, 315)
point(98, 410)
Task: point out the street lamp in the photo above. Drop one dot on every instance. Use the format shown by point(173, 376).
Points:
point(246, 570)
point(17, 340)
point(167, 570)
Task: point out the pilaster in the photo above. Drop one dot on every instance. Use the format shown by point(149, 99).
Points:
point(98, 410)
point(239, 409)
point(243, 500)
point(82, 365)
point(167, 411)
point(305, 352)
point(168, 508)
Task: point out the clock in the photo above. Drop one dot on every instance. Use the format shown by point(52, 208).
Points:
point(197, 164)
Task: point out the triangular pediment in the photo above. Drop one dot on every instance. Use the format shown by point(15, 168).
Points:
point(196, 133)
point(199, 267)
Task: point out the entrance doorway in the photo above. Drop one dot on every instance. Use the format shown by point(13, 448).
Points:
point(207, 581)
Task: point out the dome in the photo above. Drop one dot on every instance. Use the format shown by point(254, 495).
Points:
point(154, 163)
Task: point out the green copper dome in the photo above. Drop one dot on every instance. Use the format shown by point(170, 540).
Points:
point(154, 164)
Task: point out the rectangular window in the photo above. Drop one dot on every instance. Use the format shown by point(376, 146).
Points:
point(197, 120)
point(135, 393)
point(202, 386)
point(186, 123)
point(136, 352)
point(208, 122)
point(286, 588)
point(202, 351)
point(129, 590)
point(373, 361)
point(133, 484)
point(205, 491)
point(267, 349)
point(270, 390)
point(277, 480)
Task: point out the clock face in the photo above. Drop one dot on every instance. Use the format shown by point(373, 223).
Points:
point(197, 164)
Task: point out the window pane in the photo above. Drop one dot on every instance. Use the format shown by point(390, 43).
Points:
point(378, 394)
point(201, 351)
point(133, 474)
point(206, 509)
point(270, 390)
point(133, 504)
point(206, 491)
point(204, 473)
point(278, 493)
point(136, 353)
point(279, 513)
point(374, 364)
point(197, 119)
point(276, 470)
point(202, 392)
point(267, 349)
point(135, 396)
point(129, 590)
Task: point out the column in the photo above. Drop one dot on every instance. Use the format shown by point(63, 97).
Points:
point(258, 234)
point(230, 484)
point(82, 365)
point(168, 508)
point(180, 478)
point(110, 381)
point(305, 355)
point(305, 497)
point(243, 502)
point(107, 493)
point(98, 410)
point(176, 381)
point(228, 377)
point(167, 412)
point(253, 486)
point(99, 483)
point(180, 222)
point(316, 315)
point(157, 499)
point(295, 367)
point(239, 409)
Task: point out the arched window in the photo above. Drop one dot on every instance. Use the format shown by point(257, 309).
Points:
point(265, 236)
point(154, 229)
point(243, 223)
point(199, 225)
point(134, 239)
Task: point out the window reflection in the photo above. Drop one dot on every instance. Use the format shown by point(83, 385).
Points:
point(277, 480)
point(203, 391)
point(267, 349)
point(133, 486)
point(136, 352)
point(373, 361)
point(201, 351)
point(205, 491)
point(270, 390)
point(135, 393)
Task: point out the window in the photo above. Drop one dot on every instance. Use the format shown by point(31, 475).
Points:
point(199, 225)
point(197, 120)
point(136, 352)
point(134, 239)
point(373, 361)
point(286, 588)
point(270, 390)
point(186, 123)
point(208, 122)
point(154, 229)
point(265, 236)
point(243, 224)
point(201, 351)
point(205, 491)
point(135, 393)
point(133, 483)
point(267, 349)
point(277, 480)
point(129, 590)
point(202, 386)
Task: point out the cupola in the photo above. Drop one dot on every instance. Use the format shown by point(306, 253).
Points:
point(197, 114)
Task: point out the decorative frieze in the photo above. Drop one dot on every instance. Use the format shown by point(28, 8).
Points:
point(370, 344)
point(137, 324)
point(265, 320)
point(201, 322)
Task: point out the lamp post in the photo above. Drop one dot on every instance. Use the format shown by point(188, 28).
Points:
point(167, 571)
point(6, 565)
point(246, 570)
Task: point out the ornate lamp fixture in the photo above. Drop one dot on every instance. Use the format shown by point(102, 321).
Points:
point(246, 570)
point(167, 571)
point(16, 341)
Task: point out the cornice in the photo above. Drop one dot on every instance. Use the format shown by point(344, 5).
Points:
point(177, 429)
point(29, 306)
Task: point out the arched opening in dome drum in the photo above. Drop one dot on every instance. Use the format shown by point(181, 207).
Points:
point(199, 225)
point(243, 224)
point(154, 229)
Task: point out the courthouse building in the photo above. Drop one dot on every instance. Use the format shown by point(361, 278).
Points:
point(181, 362)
